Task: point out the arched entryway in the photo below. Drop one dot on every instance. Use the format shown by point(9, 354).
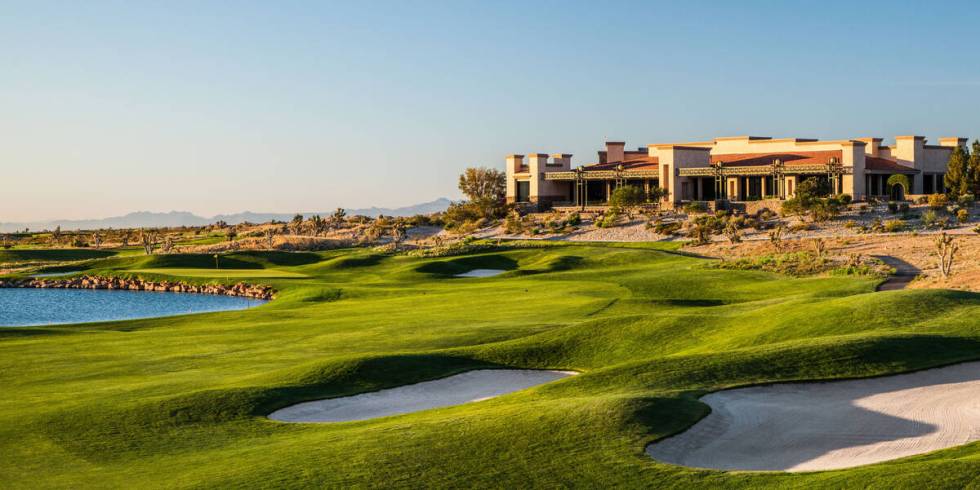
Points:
point(898, 186)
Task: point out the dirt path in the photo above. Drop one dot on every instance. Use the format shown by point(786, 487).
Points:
point(904, 273)
point(823, 426)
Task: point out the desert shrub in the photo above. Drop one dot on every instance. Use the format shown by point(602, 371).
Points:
point(667, 227)
point(794, 263)
point(892, 207)
point(765, 214)
point(903, 208)
point(962, 215)
point(931, 219)
point(513, 223)
point(696, 207)
point(702, 227)
point(573, 219)
point(845, 199)
point(966, 200)
point(922, 200)
point(609, 220)
point(937, 201)
point(894, 226)
point(797, 227)
point(850, 224)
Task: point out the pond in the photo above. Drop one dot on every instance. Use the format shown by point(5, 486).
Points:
point(20, 307)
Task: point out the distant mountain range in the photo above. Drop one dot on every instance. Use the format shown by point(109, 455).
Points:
point(182, 218)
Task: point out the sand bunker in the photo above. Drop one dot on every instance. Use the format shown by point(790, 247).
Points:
point(470, 386)
point(481, 273)
point(822, 426)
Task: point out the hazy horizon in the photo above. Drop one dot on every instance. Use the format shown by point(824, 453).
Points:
point(220, 107)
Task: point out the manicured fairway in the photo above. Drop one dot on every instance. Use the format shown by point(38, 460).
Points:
point(182, 402)
point(221, 273)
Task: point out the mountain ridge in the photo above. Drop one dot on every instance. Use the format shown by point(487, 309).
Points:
point(150, 219)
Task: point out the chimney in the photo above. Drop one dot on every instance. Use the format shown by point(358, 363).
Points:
point(908, 149)
point(514, 163)
point(563, 160)
point(615, 151)
point(871, 145)
point(536, 162)
point(952, 141)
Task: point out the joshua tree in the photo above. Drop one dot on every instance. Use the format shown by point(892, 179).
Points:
point(317, 225)
point(168, 244)
point(731, 231)
point(231, 235)
point(946, 248)
point(776, 238)
point(296, 224)
point(147, 240)
point(270, 234)
point(819, 247)
point(56, 235)
point(398, 232)
point(338, 217)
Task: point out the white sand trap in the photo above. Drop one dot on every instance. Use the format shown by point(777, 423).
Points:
point(481, 273)
point(822, 426)
point(471, 386)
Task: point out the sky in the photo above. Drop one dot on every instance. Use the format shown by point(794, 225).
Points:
point(219, 107)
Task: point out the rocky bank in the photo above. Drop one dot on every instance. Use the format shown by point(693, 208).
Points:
point(93, 282)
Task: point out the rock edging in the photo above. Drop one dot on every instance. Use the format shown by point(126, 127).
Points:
point(94, 282)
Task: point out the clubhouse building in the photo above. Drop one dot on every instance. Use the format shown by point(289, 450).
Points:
point(741, 168)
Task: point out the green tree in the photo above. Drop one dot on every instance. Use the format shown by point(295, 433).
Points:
point(958, 172)
point(626, 199)
point(485, 188)
point(973, 168)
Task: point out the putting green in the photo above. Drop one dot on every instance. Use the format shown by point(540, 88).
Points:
point(184, 401)
point(225, 273)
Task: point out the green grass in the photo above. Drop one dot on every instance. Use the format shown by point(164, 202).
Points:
point(180, 402)
point(223, 273)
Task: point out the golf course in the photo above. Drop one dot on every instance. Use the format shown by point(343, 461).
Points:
point(643, 331)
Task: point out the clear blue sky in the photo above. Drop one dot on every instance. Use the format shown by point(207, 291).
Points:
point(213, 107)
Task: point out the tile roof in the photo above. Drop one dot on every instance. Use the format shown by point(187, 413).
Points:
point(886, 165)
point(642, 163)
point(789, 158)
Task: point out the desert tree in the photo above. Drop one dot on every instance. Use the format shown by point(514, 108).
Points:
point(398, 232)
point(338, 218)
point(317, 225)
point(957, 178)
point(776, 238)
point(168, 244)
point(946, 249)
point(732, 231)
point(973, 168)
point(485, 188)
point(97, 239)
point(270, 234)
point(296, 224)
point(147, 240)
point(626, 199)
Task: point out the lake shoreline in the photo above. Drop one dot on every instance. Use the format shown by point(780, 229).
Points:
point(241, 289)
